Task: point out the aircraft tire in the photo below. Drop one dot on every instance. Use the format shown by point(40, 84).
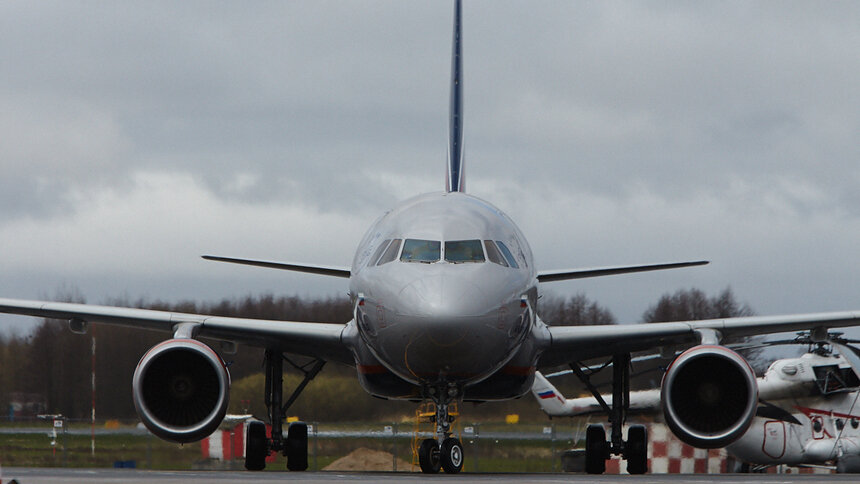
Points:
point(256, 446)
point(637, 449)
point(297, 446)
point(451, 455)
point(595, 449)
point(429, 456)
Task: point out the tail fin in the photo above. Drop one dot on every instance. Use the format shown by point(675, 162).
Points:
point(456, 179)
point(551, 401)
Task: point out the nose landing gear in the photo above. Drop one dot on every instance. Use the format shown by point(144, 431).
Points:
point(433, 456)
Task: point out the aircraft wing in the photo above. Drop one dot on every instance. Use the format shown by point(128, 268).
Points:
point(323, 340)
point(569, 343)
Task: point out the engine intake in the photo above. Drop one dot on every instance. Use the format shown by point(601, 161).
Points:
point(709, 396)
point(181, 390)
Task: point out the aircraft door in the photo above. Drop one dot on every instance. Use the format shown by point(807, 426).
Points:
point(774, 439)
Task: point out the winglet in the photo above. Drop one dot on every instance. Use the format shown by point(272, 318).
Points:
point(456, 179)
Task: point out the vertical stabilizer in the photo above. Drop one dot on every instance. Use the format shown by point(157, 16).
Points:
point(551, 401)
point(456, 178)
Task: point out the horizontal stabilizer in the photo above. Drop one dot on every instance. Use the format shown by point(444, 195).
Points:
point(547, 276)
point(322, 270)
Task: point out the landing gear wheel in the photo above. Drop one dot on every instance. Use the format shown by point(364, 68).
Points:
point(451, 455)
point(297, 446)
point(256, 446)
point(428, 456)
point(595, 449)
point(636, 452)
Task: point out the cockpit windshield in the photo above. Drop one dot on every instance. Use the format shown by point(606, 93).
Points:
point(458, 251)
point(417, 250)
point(508, 256)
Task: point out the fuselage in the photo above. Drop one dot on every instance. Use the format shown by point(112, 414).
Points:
point(821, 416)
point(444, 289)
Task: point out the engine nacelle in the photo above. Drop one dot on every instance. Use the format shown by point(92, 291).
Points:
point(709, 396)
point(181, 390)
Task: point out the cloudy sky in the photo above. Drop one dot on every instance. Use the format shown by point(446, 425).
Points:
point(138, 136)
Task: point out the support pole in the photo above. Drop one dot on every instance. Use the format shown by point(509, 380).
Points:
point(274, 396)
point(620, 394)
point(93, 415)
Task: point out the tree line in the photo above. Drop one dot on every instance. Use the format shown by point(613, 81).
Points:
point(55, 365)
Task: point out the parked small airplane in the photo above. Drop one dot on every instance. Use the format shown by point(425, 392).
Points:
point(444, 289)
point(807, 413)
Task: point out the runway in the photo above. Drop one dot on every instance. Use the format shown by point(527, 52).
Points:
point(130, 476)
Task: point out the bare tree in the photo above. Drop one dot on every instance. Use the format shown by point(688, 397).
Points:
point(576, 310)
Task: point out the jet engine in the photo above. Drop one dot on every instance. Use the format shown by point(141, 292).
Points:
point(181, 390)
point(709, 396)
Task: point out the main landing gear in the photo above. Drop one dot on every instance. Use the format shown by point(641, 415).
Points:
point(295, 447)
point(446, 451)
point(597, 448)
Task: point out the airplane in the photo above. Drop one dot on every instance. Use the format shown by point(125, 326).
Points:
point(807, 413)
point(444, 288)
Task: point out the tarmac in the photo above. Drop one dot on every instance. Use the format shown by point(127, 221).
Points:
point(131, 476)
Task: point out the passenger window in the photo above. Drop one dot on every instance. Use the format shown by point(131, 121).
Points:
point(390, 253)
point(508, 256)
point(457, 251)
point(493, 253)
point(416, 250)
point(382, 246)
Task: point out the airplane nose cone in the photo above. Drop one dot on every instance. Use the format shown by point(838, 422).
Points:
point(446, 319)
point(443, 298)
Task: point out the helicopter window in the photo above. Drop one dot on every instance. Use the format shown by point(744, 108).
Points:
point(382, 246)
point(493, 253)
point(458, 251)
point(832, 379)
point(839, 424)
point(417, 250)
point(508, 256)
point(854, 423)
point(849, 377)
point(390, 253)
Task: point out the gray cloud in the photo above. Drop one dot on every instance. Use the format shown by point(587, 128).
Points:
point(613, 133)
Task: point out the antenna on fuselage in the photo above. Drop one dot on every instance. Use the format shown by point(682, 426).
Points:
point(456, 179)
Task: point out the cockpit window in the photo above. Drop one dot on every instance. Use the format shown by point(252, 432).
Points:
point(382, 246)
point(493, 253)
point(390, 253)
point(508, 256)
point(457, 251)
point(417, 250)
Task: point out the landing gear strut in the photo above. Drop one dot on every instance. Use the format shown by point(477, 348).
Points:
point(295, 446)
point(444, 452)
point(597, 449)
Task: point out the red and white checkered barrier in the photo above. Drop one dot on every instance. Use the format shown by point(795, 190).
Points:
point(668, 455)
point(230, 444)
